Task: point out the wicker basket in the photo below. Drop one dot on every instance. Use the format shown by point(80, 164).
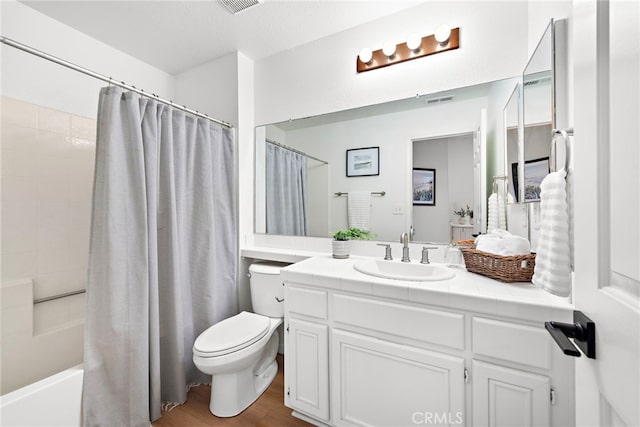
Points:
point(508, 269)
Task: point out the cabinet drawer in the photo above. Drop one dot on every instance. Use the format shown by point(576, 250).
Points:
point(307, 302)
point(509, 341)
point(422, 324)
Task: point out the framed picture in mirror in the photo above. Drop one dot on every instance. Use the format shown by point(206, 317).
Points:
point(424, 187)
point(534, 172)
point(363, 161)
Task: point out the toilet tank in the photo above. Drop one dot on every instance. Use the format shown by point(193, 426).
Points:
point(267, 290)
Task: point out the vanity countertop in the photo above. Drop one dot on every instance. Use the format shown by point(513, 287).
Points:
point(466, 291)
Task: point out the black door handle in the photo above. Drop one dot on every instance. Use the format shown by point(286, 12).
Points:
point(583, 332)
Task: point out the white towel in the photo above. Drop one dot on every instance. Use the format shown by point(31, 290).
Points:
point(502, 213)
point(553, 264)
point(497, 213)
point(359, 204)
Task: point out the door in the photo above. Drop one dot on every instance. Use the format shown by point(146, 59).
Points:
point(509, 397)
point(606, 46)
point(307, 368)
point(379, 383)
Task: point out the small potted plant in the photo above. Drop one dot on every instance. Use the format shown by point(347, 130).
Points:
point(340, 244)
point(464, 215)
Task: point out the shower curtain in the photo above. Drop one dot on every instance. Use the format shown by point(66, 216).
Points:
point(162, 262)
point(286, 191)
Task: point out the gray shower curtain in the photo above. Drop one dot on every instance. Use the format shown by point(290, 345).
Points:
point(162, 262)
point(286, 191)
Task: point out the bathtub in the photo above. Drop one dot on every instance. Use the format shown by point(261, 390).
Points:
point(53, 401)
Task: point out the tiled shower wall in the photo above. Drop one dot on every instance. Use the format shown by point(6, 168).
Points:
point(47, 179)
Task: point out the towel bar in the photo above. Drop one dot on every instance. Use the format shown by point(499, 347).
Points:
point(378, 193)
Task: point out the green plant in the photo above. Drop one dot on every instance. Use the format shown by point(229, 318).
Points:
point(464, 212)
point(352, 233)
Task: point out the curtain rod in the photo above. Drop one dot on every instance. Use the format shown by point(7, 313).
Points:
point(43, 55)
point(270, 141)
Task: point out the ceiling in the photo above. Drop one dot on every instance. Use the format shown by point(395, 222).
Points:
point(175, 36)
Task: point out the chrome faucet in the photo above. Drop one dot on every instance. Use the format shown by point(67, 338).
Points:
point(404, 239)
point(425, 254)
point(387, 251)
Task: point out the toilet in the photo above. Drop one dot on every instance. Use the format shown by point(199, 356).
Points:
point(240, 352)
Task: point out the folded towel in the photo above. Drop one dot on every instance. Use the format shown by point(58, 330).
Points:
point(502, 213)
point(553, 265)
point(492, 214)
point(359, 204)
point(489, 243)
point(515, 245)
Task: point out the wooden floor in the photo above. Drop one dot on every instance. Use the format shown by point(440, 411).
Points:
point(267, 411)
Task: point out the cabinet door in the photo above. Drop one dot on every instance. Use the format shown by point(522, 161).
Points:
point(509, 397)
point(307, 368)
point(377, 383)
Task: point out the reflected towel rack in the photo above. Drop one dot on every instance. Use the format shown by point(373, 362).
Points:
point(377, 193)
point(55, 297)
point(565, 133)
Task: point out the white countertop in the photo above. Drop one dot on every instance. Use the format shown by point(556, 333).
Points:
point(466, 291)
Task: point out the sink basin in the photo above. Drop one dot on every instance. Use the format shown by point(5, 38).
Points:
point(403, 270)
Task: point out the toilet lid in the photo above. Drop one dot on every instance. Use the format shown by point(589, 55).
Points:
point(232, 334)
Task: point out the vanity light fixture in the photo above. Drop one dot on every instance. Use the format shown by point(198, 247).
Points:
point(365, 55)
point(444, 39)
point(443, 32)
point(389, 49)
point(414, 42)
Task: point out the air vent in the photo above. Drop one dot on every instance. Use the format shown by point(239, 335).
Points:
point(236, 6)
point(537, 81)
point(438, 100)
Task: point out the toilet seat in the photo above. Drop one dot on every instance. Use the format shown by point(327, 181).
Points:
point(231, 335)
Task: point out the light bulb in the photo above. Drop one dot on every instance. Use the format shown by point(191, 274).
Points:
point(413, 42)
point(442, 34)
point(365, 55)
point(389, 49)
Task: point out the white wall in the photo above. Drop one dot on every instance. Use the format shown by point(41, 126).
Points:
point(211, 88)
point(320, 76)
point(38, 81)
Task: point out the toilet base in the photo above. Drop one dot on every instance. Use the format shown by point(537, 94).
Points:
point(232, 393)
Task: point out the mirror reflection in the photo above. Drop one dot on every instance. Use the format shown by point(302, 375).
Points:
point(537, 81)
point(315, 175)
point(512, 143)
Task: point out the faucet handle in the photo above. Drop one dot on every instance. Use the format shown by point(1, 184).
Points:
point(387, 251)
point(425, 254)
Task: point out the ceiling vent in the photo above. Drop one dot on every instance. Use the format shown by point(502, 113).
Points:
point(236, 6)
point(441, 99)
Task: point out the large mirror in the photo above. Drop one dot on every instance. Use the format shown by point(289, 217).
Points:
point(511, 117)
point(308, 171)
point(539, 114)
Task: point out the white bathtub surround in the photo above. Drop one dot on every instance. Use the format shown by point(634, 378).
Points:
point(47, 176)
point(53, 401)
point(553, 258)
point(370, 351)
point(163, 262)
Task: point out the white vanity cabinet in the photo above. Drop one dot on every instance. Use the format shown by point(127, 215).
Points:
point(306, 345)
point(375, 353)
point(376, 382)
